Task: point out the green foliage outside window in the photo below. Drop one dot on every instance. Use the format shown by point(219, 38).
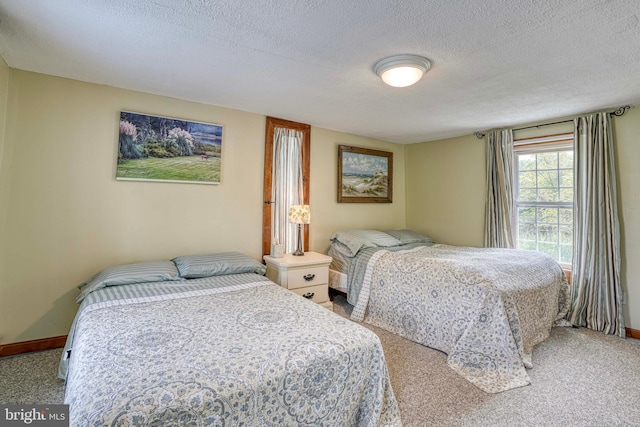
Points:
point(544, 200)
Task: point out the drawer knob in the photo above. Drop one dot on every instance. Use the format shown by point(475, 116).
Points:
point(309, 277)
point(308, 295)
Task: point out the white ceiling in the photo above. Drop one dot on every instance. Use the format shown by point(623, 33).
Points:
point(496, 63)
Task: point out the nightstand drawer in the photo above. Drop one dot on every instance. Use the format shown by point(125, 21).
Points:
point(318, 293)
point(303, 277)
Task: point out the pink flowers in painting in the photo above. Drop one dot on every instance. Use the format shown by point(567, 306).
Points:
point(127, 128)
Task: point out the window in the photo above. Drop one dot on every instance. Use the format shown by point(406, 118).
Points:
point(270, 183)
point(544, 195)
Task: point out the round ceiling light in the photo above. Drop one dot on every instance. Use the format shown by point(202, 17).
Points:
point(402, 70)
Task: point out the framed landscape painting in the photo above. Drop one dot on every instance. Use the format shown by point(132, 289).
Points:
point(155, 148)
point(364, 175)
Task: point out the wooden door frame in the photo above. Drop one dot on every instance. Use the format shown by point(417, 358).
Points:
point(273, 123)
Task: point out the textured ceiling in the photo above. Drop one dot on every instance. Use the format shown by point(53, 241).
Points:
point(496, 63)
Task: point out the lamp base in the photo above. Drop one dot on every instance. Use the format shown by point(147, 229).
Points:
point(299, 251)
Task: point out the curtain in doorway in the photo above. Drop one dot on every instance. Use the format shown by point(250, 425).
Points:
point(287, 185)
point(596, 291)
point(499, 205)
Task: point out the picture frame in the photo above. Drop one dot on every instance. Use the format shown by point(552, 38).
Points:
point(364, 175)
point(165, 149)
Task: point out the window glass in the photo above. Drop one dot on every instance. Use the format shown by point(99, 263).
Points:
point(544, 197)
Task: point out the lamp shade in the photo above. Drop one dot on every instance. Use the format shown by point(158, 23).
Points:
point(402, 70)
point(299, 214)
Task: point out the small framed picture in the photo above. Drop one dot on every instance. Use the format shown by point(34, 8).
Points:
point(364, 175)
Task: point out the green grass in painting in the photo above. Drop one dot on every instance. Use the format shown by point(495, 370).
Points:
point(192, 168)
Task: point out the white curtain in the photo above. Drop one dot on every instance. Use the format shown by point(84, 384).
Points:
point(499, 206)
point(286, 186)
point(596, 292)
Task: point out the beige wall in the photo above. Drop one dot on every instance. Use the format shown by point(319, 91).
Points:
point(65, 217)
point(4, 176)
point(627, 151)
point(445, 190)
point(4, 99)
point(446, 187)
point(329, 216)
point(4, 94)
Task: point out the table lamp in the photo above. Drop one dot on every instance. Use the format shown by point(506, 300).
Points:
point(299, 214)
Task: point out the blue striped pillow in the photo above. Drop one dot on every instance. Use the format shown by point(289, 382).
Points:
point(140, 272)
point(353, 240)
point(409, 236)
point(217, 264)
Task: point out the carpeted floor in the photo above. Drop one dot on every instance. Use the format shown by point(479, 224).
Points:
point(580, 378)
point(31, 378)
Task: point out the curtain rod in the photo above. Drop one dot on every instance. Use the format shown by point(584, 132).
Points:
point(617, 112)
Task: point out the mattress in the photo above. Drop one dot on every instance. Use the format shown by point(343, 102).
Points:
point(339, 261)
point(338, 281)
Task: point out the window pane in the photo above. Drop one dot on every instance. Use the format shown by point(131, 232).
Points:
point(527, 231)
point(547, 233)
point(566, 234)
point(548, 161)
point(548, 179)
point(527, 162)
point(527, 195)
point(566, 216)
point(527, 214)
point(527, 179)
point(565, 159)
point(566, 194)
point(566, 253)
point(566, 178)
point(548, 195)
point(548, 215)
point(527, 244)
point(549, 248)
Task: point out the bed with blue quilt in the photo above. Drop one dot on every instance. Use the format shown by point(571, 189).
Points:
point(208, 340)
point(485, 308)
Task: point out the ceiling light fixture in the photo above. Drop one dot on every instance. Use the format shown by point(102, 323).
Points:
point(402, 70)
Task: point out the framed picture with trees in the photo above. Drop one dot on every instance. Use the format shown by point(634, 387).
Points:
point(164, 149)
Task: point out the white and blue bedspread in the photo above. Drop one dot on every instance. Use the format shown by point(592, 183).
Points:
point(222, 351)
point(485, 308)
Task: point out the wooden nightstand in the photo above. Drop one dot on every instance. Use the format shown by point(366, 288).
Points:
point(306, 275)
